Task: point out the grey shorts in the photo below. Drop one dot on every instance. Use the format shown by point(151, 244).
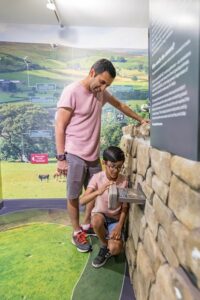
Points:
point(79, 173)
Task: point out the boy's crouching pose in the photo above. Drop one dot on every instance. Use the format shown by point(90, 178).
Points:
point(107, 223)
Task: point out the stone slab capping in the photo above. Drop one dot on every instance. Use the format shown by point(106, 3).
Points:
point(163, 245)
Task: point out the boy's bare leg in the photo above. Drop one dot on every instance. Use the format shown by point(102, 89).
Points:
point(115, 246)
point(99, 228)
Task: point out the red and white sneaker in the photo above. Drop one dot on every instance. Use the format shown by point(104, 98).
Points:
point(81, 242)
point(89, 231)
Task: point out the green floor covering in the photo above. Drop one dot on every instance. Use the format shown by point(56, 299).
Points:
point(103, 283)
point(90, 283)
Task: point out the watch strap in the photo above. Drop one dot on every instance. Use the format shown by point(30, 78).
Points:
point(60, 157)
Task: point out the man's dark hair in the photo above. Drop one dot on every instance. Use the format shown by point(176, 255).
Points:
point(104, 65)
point(113, 154)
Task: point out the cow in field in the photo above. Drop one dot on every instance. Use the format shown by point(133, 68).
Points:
point(59, 177)
point(43, 177)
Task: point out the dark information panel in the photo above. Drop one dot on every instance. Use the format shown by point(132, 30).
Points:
point(174, 76)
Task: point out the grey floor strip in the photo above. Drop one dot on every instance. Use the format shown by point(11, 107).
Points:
point(127, 291)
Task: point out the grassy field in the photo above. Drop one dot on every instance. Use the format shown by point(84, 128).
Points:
point(38, 261)
point(20, 181)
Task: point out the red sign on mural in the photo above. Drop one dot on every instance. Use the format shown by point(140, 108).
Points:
point(39, 158)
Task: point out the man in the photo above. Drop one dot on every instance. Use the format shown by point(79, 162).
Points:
point(77, 131)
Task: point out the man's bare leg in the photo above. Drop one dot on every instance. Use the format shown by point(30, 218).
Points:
point(73, 210)
point(78, 238)
point(88, 210)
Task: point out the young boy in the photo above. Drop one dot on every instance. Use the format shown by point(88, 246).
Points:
point(107, 223)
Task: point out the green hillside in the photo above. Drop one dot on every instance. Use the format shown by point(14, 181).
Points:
point(24, 66)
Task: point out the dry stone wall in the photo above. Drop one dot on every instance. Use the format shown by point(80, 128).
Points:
point(163, 245)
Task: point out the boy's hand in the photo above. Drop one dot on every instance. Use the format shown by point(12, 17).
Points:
point(103, 188)
point(116, 233)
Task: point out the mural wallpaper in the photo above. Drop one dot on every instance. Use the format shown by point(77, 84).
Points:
point(32, 77)
point(37, 257)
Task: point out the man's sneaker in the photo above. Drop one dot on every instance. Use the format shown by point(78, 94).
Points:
point(89, 231)
point(81, 242)
point(101, 258)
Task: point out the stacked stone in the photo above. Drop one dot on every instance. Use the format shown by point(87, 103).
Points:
point(163, 245)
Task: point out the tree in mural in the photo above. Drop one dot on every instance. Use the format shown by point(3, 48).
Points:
point(111, 135)
point(111, 131)
point(17, 123)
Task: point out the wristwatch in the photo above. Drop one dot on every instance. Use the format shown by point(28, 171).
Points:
point(60, 157)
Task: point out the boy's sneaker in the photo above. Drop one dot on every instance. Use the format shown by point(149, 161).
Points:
point(101, 258)
point(89, 231)
point(81, 242)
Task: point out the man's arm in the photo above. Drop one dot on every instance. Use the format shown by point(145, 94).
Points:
point(125, 109)
point(63, 116)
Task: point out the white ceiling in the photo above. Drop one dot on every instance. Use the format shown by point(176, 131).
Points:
point(94, 13)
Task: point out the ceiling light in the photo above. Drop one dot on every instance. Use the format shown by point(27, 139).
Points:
point(51, 5)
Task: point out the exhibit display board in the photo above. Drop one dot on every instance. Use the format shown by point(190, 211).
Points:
point(174, 76)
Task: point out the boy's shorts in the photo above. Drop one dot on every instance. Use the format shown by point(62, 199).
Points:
point(79, 172)
point(110, 224)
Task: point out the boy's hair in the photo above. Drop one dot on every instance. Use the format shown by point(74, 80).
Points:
point(104, 65)
point(113, 154)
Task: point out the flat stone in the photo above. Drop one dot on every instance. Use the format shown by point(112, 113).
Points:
point(160, 188)
point(183, 287)
point(192, 249)
point(148, 191)
point(166, 248)
point(163, 213)
point(163, 289)
point(187, 170)
point(144, 276)
point(153, 251)
point(161, 164)
point(177, 237)
point(143, 159)
point(151, 218)
point(185, 203)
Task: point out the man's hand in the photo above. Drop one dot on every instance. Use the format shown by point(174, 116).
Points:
point(144, 121)
point(62, 167)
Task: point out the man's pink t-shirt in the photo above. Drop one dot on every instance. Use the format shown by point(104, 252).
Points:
point(101, 201)
point(83, 131)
